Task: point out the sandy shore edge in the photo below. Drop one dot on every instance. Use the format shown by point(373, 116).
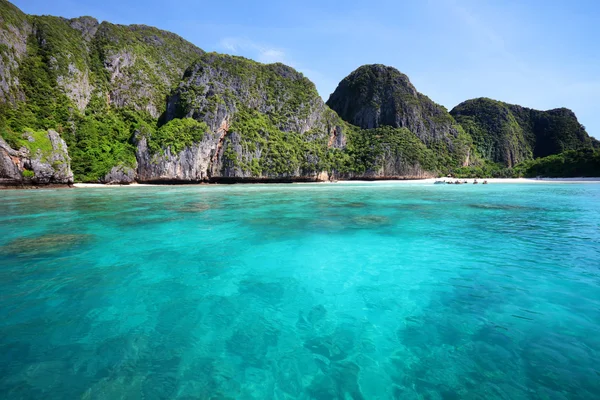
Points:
point(400, 182)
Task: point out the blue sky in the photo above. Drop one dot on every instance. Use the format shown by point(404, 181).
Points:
point(538, 53)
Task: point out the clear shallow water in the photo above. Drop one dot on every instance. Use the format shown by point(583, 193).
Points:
point(347, 291)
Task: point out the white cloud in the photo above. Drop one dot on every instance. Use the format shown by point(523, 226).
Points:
point(271, 55)
point(258, 51)
point(268, 54)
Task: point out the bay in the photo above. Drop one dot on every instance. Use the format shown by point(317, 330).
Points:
point(325, 291)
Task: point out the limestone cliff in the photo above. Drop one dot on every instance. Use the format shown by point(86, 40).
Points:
point(92, 82)
point(262, 122)
point(38, 158)
point(376, 95)
point(509, 134)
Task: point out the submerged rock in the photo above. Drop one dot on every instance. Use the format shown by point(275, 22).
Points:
point(44, 244)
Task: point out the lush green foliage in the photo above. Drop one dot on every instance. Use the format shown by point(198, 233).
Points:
point(487, 169)
point(368, 149)
point(176, 134)
point(102, 140)
point(496, 134)
point(288, 152)
point(509, 134)
point(156, 61)
point(571, 163)
point(377, 96)
point(57, 55)
point(28, 174)
point(281, 153)
point(60, 46)
point(33, 140)
point(10, 15)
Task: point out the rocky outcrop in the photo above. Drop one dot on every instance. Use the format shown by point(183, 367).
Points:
point(377, 95)
point(11, 164)
point(14, 30)
point(42, 160)
point(120, 175)
point(189, 165)
point(509, 134)
point(253, 112)
point(88, 26)
point(143, 63)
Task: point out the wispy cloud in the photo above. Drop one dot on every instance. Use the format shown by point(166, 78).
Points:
point(261, 52)
point(266, 53)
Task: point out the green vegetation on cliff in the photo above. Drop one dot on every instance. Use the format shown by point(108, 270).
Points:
point(93, 83)
point(176, 134)
point(217, 80)
point(509, 134)
point(269, 150)
point(570, 164)
point(10, 15)
point(376, 96)
point(372, 149)
point(103, 139)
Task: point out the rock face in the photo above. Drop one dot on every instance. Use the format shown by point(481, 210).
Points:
point(508, 134)
point(11, 164)
point(264, 122)
point(93, 82)
point(14, 30)
point(120, 175)
point(143, 63)
point(376, 95)
point(43, 159)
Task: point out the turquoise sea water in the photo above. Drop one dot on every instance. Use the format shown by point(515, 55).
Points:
point(339, 291)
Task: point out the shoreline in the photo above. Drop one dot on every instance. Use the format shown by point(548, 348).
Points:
point(374, 182)
point(427, 181)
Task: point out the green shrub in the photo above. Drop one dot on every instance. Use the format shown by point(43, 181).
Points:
point(177, 134)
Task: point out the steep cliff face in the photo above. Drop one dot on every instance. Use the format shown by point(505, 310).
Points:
point(94, 83)
point(14, 31)
point(38, 157)
point(142, 64)
point(262, 122)
point(376, 95)
point(509, 134)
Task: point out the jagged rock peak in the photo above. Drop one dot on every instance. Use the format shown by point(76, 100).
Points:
point(88, 26)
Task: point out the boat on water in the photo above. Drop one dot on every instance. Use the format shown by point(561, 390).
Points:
point(439, 182)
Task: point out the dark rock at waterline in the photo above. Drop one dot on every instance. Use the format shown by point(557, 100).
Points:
point(120, 175)
point(42, 159)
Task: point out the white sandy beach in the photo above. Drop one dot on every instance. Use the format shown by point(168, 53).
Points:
point(411, 181)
